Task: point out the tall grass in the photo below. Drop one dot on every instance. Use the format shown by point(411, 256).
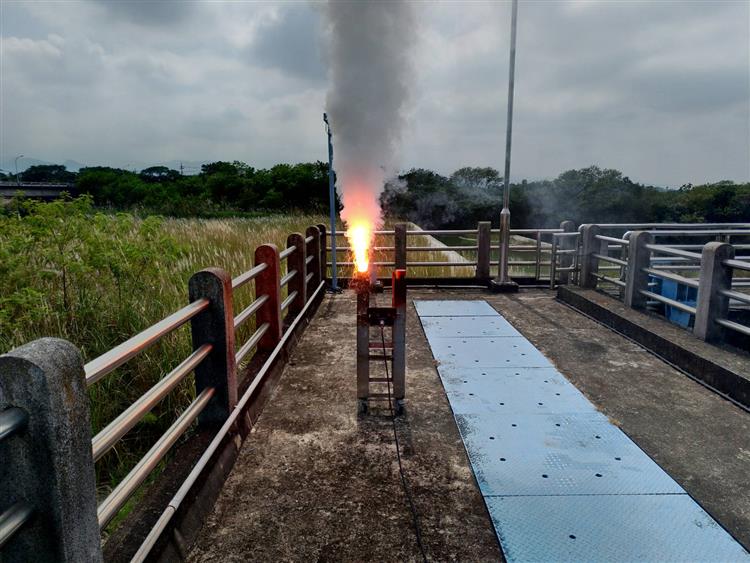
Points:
point(96, 280)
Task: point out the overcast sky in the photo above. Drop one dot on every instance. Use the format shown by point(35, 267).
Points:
point(659, 90)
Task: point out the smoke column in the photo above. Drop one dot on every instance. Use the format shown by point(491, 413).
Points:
point(370, 44)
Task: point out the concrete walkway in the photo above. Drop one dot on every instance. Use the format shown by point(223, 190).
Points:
point(315, 483)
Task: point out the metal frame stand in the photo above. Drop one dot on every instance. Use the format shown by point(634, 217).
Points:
point(378, 350)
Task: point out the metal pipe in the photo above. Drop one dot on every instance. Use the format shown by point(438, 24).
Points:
point(287, 278)
point(739, 264)
point(13, 519)
point(734, 326)
point(617, 241)
point(111, 434)
point(736, 295)
point(664, 249)
point(287, 252)
point(613, 281)
point(474, 263)
point(668, 301)
point(670, 276)
point(12, 420)
point(288, 300)
point(251, 343)
point(331, 204)
point(249, 311)
point(202, 462)
point(251, 274)
point(111, 505)
point(502, 273)
point(611, 259)
point(109, 361)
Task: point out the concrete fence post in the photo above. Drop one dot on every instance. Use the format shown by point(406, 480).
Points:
point(323, 252)
point(313, 252)
point(268, 283)
point(566, 243)
point(215, 326)
point(636, 280)
point(399, 243)
point(48, 465)
point(297, 261)
point(714, 278)
point(589, 264)
point(483, 250)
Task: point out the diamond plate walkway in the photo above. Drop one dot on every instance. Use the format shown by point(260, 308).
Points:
point(559, 480)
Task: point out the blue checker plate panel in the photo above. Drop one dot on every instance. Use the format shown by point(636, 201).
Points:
point(560, 481)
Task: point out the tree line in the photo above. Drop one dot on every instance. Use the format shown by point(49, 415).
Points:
point(587, 195)
point(432, 200)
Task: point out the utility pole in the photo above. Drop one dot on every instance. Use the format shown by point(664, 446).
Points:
point(503, 283)
point(18, 178)
point(332, 200)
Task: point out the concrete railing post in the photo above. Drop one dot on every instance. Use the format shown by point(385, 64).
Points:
point(483, 250)
point(566, 243)
point(589, 264)
point(48, 465)
point(313, 252)
point(268, 283)
point(636, 280)
point(323, 252)
point(714, 278)
point(297, 261)
point(215, 326)
point(399, 244)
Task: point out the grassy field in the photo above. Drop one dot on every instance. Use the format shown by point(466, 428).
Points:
point(97, 279)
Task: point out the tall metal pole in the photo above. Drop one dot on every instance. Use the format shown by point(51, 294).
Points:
point(503, 282)
point(18, 179)
point(332, 200)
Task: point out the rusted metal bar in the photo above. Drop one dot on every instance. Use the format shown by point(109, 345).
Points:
point(249, 311)
point(250, 275)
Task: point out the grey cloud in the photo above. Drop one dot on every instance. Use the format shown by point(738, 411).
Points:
point(291, 44)
point(148, 12)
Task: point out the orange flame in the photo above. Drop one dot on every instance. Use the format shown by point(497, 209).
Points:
point(360, 235)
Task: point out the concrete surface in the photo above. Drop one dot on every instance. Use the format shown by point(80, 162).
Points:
point(314, 483)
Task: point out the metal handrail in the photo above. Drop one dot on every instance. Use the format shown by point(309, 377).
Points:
point(111, 434)
point(251, 343)
point(287, 252)
point(309, 239)
point(309, 276)
point(111, 505)
point(12, 421)
point(711, 232)
point(208, 453)
point(614, 281)
point(726, 323)
point(251, 274)
point(288, 301)
point(428, 264)
point(443, 232)
point(642, 226)
point(611, 259)
point(688, 267)
point(736, 295)
point(670, 276)
point(739, 264)
point(668, 301)
point(13, 520)
point(567, 234)
point(309, 259)
point(109, 361)
point(249, 311)
point(664, 249)
point(287, 278)
point(618, 241)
